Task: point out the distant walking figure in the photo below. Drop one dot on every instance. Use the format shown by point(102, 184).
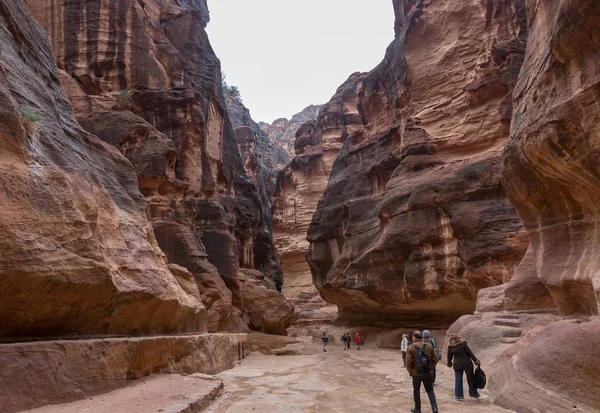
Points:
point(404, 347)
point(459, 351)
point(349, 340)
point(325, 341)
point(420, 360)
point(357, 340)
point(428, 339)
point(344, 339)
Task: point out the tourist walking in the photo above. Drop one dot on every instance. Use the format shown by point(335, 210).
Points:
point(348, 341)
point(344, 339)
point(428, 339)
point(404, 347)
point(357, 340)
point(462, 358)
point(325, 340)
point(420, 360)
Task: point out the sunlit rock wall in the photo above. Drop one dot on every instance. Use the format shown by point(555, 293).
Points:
point(415, 220)
point(300, 186)
point(551, 175)
point(77, 253)
point(143, 77)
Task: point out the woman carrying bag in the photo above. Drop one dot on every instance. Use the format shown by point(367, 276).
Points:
point(462, 358)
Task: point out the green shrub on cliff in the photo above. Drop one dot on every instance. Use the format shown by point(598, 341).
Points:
point(244, 276)
point(30, 115)
point(230, 90)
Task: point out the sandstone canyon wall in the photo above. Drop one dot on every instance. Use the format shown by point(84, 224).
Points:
point(300, 185)
point(551, 175)
point(262, 155)
point(143, 77)
point(283, 131)
point(414, 220)
point(77, 253)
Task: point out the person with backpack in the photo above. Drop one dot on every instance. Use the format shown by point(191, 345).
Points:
point(428, 339)
point(325, 340)
point(404, 347)
point(357, 340)
point(349, 340)
point(462, 358)
point(344, 339)
point(420, 361)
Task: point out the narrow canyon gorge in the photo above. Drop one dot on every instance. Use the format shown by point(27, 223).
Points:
point(150, 226)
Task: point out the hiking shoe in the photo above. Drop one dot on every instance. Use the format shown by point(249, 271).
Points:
point(476, 396)
point(459, 400)
point(415, 411)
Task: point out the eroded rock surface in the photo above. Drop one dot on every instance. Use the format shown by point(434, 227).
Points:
point(139, 81)
point(550, 164)
point(77, 253)
point(263, 154)
point(283, 131)
point(551, 175)
point(300, 186)
point(415, 219)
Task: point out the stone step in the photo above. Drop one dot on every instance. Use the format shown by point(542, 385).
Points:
point(509, 340)
point(506, 323)
point(512, 332)
point(162, 393)
point(509, 316)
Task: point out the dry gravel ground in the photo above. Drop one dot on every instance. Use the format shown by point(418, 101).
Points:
point(366, 381)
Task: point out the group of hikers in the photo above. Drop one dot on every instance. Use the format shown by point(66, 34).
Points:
point(346, 341)
point(421, 355)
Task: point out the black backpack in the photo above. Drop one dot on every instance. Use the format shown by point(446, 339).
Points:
point(423, 362)
point(480, 378)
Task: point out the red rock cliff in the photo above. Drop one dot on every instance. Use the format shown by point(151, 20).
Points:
point(283, 131)
point(300, 185)
point(77, 253)
point(414, 220)
point(143, 77)
point(551, 175)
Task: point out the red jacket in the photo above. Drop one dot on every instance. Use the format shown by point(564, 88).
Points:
point(357, 338)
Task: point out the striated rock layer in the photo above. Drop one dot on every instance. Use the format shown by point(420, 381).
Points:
point(263, 153)
point(283, 131)
point(551, 175)
point(415, 219)
point(300, 185)
point(139, 81)
point(77, 254)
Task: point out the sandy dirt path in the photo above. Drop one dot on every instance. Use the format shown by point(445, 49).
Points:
point(365, 381)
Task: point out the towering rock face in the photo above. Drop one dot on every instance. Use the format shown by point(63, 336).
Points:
point(551, 175)
point(415, 219)
point(77, 253)
point(550, 164)
point(140, 81)
point(263, 156)
point(300, 186)
point(283, 131)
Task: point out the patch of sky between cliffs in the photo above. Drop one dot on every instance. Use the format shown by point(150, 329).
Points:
point(285, 55)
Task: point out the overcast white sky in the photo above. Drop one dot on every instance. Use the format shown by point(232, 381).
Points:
point(287, 54)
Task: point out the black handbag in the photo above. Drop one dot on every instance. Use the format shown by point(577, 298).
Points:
point(480, 378)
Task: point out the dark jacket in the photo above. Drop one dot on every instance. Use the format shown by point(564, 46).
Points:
point(412, 354)
point(459, 351)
